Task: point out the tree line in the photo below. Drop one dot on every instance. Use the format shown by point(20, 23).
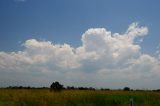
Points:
point(57, 87)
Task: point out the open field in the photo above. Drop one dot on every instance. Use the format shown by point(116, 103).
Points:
point(43, 97)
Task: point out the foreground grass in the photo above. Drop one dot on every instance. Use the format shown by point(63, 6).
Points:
point(43, 97)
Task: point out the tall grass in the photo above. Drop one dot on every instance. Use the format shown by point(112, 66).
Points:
point(43, 97)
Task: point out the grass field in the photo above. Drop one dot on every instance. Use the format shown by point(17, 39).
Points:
point(43, 97)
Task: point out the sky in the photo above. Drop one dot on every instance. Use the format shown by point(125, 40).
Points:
point(98, 43)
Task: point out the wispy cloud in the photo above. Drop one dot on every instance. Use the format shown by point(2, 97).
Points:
point(20, 0)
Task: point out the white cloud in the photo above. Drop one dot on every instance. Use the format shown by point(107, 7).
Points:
point(104, 59)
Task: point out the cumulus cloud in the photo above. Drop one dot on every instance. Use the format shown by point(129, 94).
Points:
point(104, 59)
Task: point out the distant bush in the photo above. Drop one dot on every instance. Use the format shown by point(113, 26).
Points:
point(158, 90)
point(70, 88)
point(105, 89)
point(56, 86)
point(86, 88)
point(19, 87)
point(126, 89)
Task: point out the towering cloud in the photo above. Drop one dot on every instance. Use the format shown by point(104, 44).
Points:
point(104, 59)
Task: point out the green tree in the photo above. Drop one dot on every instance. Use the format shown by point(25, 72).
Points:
point(56, 86)
point(126, 89)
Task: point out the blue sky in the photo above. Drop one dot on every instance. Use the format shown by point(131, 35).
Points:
point(64, 21)
point(80, 42)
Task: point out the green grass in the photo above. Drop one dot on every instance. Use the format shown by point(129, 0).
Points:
point(43, 97)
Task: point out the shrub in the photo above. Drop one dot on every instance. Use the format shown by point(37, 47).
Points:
point(126, 89)
point(56, 86)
